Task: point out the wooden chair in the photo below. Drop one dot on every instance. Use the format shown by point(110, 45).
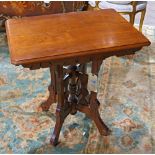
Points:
point(130, 8)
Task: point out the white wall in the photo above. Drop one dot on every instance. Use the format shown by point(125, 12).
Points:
point(149, 16)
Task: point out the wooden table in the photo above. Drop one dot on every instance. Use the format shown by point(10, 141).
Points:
point(73, 38)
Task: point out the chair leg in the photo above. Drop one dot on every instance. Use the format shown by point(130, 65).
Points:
point(142, 19)
point(132, 18)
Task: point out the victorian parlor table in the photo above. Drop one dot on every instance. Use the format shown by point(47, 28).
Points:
point(69, 39)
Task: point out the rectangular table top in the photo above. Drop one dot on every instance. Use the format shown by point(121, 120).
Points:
point(67, 35)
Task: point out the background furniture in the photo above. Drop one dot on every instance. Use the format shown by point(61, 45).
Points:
point(130, 8)
point(17, 9)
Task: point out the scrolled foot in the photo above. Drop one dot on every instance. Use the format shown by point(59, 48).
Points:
point(94, 111)
point(51, 99)
point(54, 140)
point(105, 131)
point(45, 106)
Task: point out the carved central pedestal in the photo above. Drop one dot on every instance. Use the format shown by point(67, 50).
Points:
point(70, 87)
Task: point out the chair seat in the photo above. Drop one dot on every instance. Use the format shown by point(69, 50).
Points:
point(122, 7)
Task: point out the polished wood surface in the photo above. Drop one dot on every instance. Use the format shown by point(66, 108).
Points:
point(68, 35)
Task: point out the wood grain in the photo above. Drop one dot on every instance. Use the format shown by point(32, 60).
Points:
point(69, 35)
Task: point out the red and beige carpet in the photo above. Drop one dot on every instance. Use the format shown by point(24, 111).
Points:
point(126, 90)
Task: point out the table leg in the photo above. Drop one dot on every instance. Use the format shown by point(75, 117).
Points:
point(62, 109)
point(91, 111)
point(83, 68)
point(52, 91)
point(73, 96)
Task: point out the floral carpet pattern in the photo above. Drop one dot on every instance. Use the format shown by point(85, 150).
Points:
point(126, 94)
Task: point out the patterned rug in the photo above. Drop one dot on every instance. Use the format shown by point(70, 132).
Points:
point(126, 94)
